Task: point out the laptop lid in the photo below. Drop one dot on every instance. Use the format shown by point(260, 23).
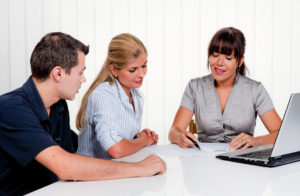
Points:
point(288, 138)
point(286, 143)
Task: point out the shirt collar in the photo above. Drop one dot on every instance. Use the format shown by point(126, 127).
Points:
point(237, 77)
point(36, 101)
point(135, 92)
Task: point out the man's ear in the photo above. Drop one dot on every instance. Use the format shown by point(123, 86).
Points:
point(56, 73)
point(113, 70)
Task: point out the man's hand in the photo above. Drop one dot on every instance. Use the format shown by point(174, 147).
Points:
point(152, 165)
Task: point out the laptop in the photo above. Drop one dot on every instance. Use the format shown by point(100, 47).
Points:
point(286, 148)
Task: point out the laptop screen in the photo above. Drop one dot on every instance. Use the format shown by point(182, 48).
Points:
point(288, 138)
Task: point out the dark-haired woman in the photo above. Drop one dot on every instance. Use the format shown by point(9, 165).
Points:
point(225, 102)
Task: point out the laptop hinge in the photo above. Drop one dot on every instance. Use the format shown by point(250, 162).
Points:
point(275, 158)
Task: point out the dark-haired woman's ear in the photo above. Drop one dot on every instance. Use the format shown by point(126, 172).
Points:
point(241, 62)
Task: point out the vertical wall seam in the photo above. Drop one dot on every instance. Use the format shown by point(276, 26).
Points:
point(26, 38)
point(272, 53)
point(291, 48)
point(60, 15)
point(146, 37)
point(218, 14)
point(94, 35)
point(43, 16)
point(235, 12)
point(164, 68)
point(9, 43)
point(200, 35)
point(77, 17)
point(181, 45)
point(112, 16)
point(254, 38)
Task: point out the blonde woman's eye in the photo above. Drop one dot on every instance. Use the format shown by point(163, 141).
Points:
point(132, 70)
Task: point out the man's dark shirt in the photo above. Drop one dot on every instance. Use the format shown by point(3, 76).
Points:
point(25, 131)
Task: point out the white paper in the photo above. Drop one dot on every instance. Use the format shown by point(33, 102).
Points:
point(173, 150)
point(213, 147)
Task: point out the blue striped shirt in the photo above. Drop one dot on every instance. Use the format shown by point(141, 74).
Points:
point(109, 118)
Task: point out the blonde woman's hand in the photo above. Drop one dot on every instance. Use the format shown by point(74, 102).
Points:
point(149, 133)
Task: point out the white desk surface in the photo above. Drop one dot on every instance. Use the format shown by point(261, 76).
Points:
point(190, 172)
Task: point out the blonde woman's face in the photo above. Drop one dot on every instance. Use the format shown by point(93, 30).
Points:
point(133, 74)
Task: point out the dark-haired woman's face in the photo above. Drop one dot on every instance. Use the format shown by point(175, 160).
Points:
point(223, 67)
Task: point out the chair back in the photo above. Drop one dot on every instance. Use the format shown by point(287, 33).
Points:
point(192, 127)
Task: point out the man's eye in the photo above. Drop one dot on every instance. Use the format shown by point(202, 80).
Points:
point(215, 55)
point(144, 66)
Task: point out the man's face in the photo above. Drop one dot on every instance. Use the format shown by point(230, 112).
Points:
point(71, 83)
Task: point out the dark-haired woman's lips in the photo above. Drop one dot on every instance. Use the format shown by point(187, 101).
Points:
point(219, 71)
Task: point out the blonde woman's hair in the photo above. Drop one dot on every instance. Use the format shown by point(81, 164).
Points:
point(122, 50)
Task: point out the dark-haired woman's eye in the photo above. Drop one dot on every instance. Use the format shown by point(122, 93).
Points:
point(229, 58)
point(215, 54)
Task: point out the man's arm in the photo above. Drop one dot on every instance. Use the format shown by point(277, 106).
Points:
point(68, 166)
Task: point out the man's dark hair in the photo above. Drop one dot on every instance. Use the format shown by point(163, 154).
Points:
point(55, 49)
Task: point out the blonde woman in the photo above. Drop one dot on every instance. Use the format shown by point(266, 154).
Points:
point(110, 115)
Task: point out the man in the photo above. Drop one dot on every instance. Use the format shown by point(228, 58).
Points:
point(35, 137)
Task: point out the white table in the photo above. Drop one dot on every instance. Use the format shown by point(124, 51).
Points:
point(190, 172)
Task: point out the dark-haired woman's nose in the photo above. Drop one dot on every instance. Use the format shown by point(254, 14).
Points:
point(220, 61)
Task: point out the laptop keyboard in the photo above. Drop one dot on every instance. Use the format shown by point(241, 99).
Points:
point(264, 154)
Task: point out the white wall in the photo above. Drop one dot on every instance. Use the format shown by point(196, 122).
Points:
point(176, 33)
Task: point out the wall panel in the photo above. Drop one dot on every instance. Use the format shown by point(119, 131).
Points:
point(281, 54)
point(156, 69)
point(4, 47)
point(17, 43)
point(173, 59)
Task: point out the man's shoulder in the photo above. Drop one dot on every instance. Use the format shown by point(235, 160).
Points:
point(15, 98)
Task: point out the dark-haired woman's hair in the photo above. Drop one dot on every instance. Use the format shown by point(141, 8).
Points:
point(226, 41)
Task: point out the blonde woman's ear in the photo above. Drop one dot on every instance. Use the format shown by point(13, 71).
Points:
point(113, 70)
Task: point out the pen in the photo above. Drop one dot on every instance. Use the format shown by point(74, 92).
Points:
point(194, 142)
